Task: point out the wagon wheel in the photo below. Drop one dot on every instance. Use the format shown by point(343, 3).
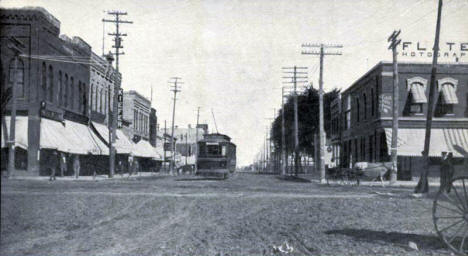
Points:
point(450, 216)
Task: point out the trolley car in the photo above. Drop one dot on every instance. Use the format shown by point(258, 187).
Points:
point(216, 155)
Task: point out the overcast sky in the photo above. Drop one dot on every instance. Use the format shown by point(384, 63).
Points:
point(230, 53)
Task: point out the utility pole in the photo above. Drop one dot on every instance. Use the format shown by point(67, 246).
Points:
point(295, 72)
point(393, 46)
point(423, 186)
point(322, 53)
point(175, 89)
point(117, 45)
point(283, 136)
point(196, 140)
point(17, 48)
point(164, 149)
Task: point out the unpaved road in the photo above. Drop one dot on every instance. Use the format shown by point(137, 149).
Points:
point(244, 215)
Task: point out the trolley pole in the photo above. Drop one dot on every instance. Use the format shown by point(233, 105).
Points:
point(322, 53)
point(394, 154)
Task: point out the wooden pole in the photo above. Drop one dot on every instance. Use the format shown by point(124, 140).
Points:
point(423, 185)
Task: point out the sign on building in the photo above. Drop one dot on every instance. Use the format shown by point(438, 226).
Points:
point(120, 108)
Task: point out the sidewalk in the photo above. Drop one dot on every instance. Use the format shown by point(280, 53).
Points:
point(88, 178)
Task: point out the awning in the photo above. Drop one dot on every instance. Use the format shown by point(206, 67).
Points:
point(411, 141)
point(418, 94)
point(122, 145)
point(67, 136)
point(448, 94)
point(144, 149)
point(21, 132)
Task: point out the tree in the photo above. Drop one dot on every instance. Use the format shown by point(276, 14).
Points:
point(308, 120)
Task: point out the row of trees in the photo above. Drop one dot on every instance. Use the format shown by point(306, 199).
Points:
point(308, 121)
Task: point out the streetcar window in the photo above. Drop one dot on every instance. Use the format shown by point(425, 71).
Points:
point(213, 149)
point(223, 151)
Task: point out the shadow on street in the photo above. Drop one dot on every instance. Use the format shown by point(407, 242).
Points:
point(293, 179)
point(398, 239)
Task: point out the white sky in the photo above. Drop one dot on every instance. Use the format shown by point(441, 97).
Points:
point(230, 53)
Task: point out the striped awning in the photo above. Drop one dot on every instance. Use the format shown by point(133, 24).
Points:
point(66, 136)
point(418, 93)
point(448, 95)
point(123, 145)
point(411, 141)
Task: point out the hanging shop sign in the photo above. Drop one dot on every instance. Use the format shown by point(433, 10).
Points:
point(120, 108)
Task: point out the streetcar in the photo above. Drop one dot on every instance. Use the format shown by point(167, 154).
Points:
point(216, 155)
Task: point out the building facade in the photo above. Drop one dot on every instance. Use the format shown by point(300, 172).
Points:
point(136, 109)
point(365, 131)
point(53, 84)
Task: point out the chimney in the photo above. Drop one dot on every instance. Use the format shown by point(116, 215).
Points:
point(109, 58)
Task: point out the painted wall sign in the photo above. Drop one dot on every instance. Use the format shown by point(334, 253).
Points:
point(385, 103)
point(424, 49)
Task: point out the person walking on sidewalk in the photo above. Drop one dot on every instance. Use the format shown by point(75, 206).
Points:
point(53, 165)
point(446, 171)
point(63, 164)
point(76, 166)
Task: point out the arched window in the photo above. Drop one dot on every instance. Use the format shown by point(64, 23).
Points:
point(101, 94)
point(50, 88)
point(72, 93)
point(44, 81)
point(19, 77)
point(92, 98)
point(65, 90)
point(80, 93)
point(357, 110)
point(365, 105)
point(372, 102)
point(84, 99)
point(60, 88)
point(106, 110)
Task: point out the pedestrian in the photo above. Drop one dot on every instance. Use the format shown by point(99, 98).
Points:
point(76, 166)
point(63, 164)
point(120, 168)
point(52, 163)
point(130, 165)
point(446, 171)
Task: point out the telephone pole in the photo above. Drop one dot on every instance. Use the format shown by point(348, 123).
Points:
point(175, 89)
point(296, 74)
point(322, 53)
point(117, 45)
point(283, 136)
point(17, 48)
point(423, 186)
point(164, 146)
point(393, 46)
point(196, 140)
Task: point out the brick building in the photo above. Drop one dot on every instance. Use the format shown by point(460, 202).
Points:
point(365, 130)
point(52, 90)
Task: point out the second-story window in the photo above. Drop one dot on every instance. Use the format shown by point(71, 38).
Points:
point(365, 106)
point(65, 91)
point(44, 81)
point(447, 97)
point(60, 88)
point(17, 74)
point(372, 102)
point(416, 88)
point(50, 88)
point(358, 110)
point(72, 94)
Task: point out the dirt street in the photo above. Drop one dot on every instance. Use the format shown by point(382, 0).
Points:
point(245, 215)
